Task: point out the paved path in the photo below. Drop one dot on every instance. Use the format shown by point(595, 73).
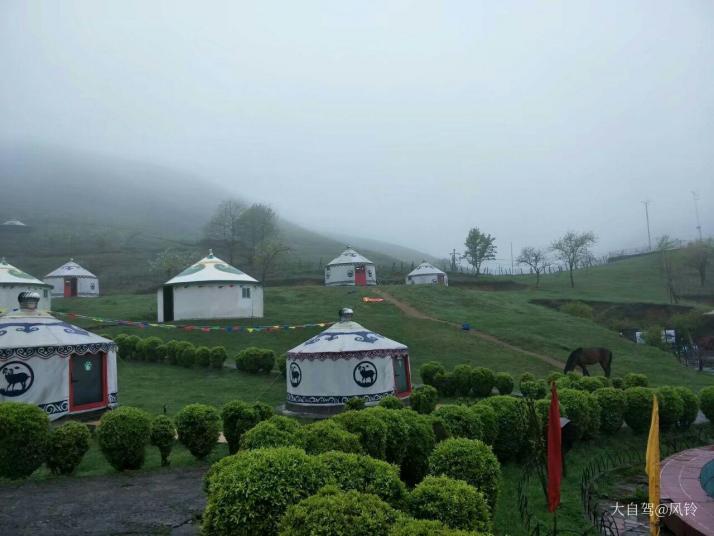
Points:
point(413, 312)
point(158, 502)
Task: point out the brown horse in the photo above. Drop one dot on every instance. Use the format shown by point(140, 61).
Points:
point(589, 356)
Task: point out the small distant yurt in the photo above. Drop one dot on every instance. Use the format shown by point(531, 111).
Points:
point(427, 274)
point(13, 226)
point(210, 289)
point(70, 280)
point(350, 269)
point(60, 367)
point(345, 361)
point(13, 281)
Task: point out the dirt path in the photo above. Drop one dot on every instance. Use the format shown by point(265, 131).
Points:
point(413, 312)
point(159, 502)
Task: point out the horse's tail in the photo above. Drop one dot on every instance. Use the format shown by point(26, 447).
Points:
point(570, 364)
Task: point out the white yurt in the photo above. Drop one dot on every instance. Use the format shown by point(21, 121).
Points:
point(71, 280)
point(210, 289)
point(62, 368)
point(345, 361)
point(13, 281)
point(350, 269)
point(427, 274)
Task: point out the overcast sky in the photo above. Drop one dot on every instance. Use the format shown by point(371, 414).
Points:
point(403, 121)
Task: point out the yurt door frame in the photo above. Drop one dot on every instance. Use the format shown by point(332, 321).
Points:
point(440, 278)
point(361, 276)
point(86, 373)
point(70, 287)
point(402, 375)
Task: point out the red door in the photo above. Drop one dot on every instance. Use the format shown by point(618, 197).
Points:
point(360, 276)
point(68, 287)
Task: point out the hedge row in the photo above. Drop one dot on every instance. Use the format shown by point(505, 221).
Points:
point(465, 380)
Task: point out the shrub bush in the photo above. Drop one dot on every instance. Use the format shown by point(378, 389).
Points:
point(451, 501)
point(281, 362)
point(504, 383)
point(397, 433)
point(420, 444)
point(461, 378)
point(127, 347)
point(535, 389)
point(553, 377)
point(638, 408)
point(423, 399)
point(187, 356)
point(203, 356)
point(612, 409)
point(690, 407)
point(511, 438)
point(444, 383)
point(482, 381)
point(617, 382)
point(24, 439)
point(526, 377)
point(428, 372)
point(122, 435)
point(256, 360)
point(469, 460)
point(488, 423)
point(174, 350)
point(275, 432)
point(336, 512)
point(391, 402)
point(249, 492)
point(198, 427)
point(576, 308)
point(358, 472)
point(671, 407)
point(706, 402)
point(238, 417)
point(653, 337)
point(326, 435)
point(355, 404)
point(425, 527)
point(633, 379)
point(583, 411)
point(162, 351)
point(218, 357)
point(461, 421)
point(67, 446)
point(370, 429)
point(589, 384)
point(163, 437)
point(147, 349)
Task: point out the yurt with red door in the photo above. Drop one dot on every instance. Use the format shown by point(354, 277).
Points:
point(350, 269)
point(13, 281)
point(345, 361)
point(62, 368)
point(72, 280)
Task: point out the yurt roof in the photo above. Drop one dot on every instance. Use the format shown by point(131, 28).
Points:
point(71, 268)
point(345, 340)
point(349, 256)
point(9, 275)
point(211, 269)
point(25, 334)
point(426, 268)
point(16, 223)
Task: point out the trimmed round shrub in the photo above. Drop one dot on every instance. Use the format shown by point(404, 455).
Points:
point(604, 381)
point(589, 384)
point(504, 383)
point(203, 356)
point(277, 431)
point(511, 438)
point(362, 473)
point(174, 350)
point(198, 427)
point(706, 402)
point(671, 407)
point(355, 404)
point(583, 411)
point(470, 460)
point(122, 435)
point(187, 356)
point(428, 372)
point(162, 351)
point(525, 377)
point(638, 408)
point(127, 347)
point(633, 379)
point(535, 389)
point(370, 429)
point(444, 383)
point(341, 513)
point(461, 379)
point(612, 409)
point(488, 423)
point(568, 381)
point(423, 399)
point(391, 402)
point(24, 439)
point(617, 382)
point(68, 445)
point(163, 437)
point(460, 420)
point(690, 407)
point(218, 357)
point(281, 362)
point(249, 492)
point(425, 527)
point(147, 349)
point(482, 381)
point(420, 444)
point(326, 435)
point(256, 360)
point(553, 377)
point(397, 433)
point(238, 417)
point(263, 411)
point(453, 502)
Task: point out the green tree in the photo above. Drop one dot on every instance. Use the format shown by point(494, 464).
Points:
point(480, 247)
point(573, 249)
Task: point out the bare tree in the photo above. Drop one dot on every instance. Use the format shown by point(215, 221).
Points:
point(480, 247)
point(664, 245)
point(267, 255)
point(699, 255)
point(223, 229)
point(169, 262)
point(573, 250)
point(536, 259)
point(258, 228)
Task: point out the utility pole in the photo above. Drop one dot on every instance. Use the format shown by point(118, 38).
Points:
point(647, 215)
point(453, 260)
point(695, 197)
point(511, 258)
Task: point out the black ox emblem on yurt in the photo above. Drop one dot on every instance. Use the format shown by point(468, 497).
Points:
point(17, 378)
point(365, 374)
point(295, 374)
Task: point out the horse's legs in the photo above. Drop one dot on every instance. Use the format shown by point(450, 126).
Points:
point(585, 370)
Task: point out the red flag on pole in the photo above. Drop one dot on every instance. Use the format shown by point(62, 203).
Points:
point(555, 460)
